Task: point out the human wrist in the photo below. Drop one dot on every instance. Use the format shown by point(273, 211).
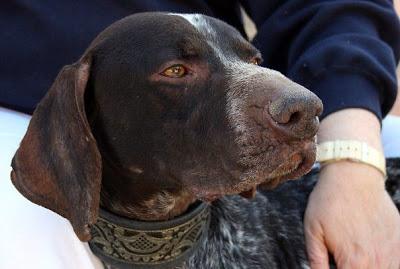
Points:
point(359, 177)
point(351, 124)
point(355, 125)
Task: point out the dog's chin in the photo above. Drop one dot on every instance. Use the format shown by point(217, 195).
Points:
point(294, 166)
point(301, 165)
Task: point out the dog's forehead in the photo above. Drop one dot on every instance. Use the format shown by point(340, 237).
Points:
point(167, 36)
point(216, 33)
point(199, 21)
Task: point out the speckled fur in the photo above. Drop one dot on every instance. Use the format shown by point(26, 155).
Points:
point(393, 181)
point(266, 232)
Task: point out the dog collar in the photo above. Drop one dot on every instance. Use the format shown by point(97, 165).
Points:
point(126, 243)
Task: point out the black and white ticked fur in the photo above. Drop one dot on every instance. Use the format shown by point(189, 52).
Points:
point(267, 231)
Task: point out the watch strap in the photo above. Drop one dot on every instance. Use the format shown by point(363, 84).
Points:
point(357, 151)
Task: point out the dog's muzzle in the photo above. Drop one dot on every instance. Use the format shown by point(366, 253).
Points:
point(124, 243)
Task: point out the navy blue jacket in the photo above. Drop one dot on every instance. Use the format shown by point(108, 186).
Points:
point(343, 50)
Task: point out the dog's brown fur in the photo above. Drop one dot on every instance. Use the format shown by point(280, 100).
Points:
point(113, 131)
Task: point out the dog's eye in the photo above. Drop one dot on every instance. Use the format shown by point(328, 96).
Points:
point(175, 71)
point(256, 61)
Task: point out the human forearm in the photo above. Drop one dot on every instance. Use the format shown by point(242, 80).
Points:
point(349, 194)
point(351, 124)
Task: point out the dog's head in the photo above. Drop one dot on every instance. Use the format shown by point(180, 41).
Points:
point(164, 99)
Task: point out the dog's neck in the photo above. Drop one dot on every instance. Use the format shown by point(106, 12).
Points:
point(134, 196)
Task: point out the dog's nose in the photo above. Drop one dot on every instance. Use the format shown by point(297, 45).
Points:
point(295, 114)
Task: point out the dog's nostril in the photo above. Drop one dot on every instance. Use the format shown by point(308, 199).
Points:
point(294, 118)
point(286, 116)
point(287, 111)
point(296, 115)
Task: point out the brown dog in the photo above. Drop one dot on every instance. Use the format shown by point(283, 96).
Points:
point(160, 111)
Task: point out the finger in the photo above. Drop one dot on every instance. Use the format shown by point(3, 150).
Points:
point(316, 251)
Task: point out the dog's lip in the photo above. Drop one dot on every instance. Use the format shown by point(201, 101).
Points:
point(303, 165)
point(303, 161)
point(295, 161)
point(308, 159)
point(211, 197)
point(248, 192)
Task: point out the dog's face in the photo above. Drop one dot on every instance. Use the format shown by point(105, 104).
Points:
point(182, 97)
point(166, 99)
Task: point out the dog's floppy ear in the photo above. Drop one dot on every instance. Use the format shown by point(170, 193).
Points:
point(58, 164)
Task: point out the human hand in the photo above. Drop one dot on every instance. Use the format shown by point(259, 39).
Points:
point(351, 216)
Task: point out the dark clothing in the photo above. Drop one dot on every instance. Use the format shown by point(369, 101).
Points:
point(344, 50)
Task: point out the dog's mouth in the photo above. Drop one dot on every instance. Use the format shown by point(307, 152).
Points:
point(297, 165)
point(294, 166)
point(294, 163)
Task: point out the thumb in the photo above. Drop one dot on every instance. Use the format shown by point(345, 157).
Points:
point(316, 250)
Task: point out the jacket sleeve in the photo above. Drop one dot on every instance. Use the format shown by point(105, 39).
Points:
point(345, 51)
